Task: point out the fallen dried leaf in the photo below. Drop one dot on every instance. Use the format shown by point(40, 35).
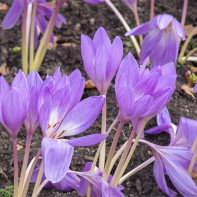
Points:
point(191, 77)
point(89, 84)
point(3, 69)
point(188, 29)
point(194, 174)
point(193, 68)
point(69, 44)
point(3, 6)
point(54, 46)
point(19, 147)
point(188, 90)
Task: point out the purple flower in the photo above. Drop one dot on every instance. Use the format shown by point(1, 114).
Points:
point(61, 114)
point(132, 4)
point(173, 160)
point(14, 103)
point(43, 11)
point(162, 41)
point(101, 59)
point(94, 1)
point(142, 92)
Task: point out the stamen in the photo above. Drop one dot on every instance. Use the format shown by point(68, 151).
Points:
point(55, 124)
point(48, 126)
point(61, 133)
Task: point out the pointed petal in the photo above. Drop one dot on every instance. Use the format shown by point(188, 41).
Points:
point(87, 140)
point(34, 80)
point(57, 156)
point(13, 15)
point(163, 117)
point(162, 21)
point(178, 27)
point(82, 116)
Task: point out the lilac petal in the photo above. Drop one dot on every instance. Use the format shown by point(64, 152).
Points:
point(116, 54)
point(59, 21)
point(159, 129)
point(82, 116)
point(94, 1)
point(101, 37)
point(188, 127)
point(14, 111)
point(13, 15)
point(87, 140)
point(195, 88)
point(57, 73)
point(142, 29)
point(126, 101)
point(34, 80)
point(77, 84)
point(162, 21)
point(128, 73)
point(163, 117)
point(178, 27)
point(57, 156)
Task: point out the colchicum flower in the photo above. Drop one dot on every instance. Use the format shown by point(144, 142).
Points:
point(162, 42)
point(62, 114)
point(43, 11)
point(101, 59)
point(14, 103)
point(132, 4)
point(142, 92)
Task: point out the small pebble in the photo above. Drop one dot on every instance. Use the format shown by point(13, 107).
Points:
point(92, 21)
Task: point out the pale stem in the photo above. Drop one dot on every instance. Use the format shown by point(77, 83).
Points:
point(188, 56)
point(191, 165)
point(124, 23)
point(117, 155)
point(40, 188)
point(98, 152)
point(103, 131)
point(194, 145)
point(152, 4)
point(112, 150)
point(180, 58)
point(38, 180)
point(25, 162)
point(28, 21)
point(27, 180)
point(45, 40)
point(24, 41)
point(184, 13)
point(124, 155)
point(137, 169)
point(137, 21)
point(14, 144)
point(32, 35)
point(123, 168)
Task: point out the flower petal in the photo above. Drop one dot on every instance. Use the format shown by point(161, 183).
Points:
point(178, 27)
point(162, 21)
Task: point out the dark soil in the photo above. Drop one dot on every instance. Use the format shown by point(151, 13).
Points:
point(83, 18)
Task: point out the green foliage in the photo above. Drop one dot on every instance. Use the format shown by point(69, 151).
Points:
point(128, 44)
point(16, 49)
point(193, 77)
point(8, 192)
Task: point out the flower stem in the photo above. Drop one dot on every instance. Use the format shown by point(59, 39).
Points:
point(135, 170)
point(32, 35)
point(152, 5)
point(40, 188)
point(123, 164)
point(124, 23)
point(28, 176)
point(24, 41)
point(14, 144)
point(25, 161)
point(112, 150)
point(103, 131)
point(184, 13)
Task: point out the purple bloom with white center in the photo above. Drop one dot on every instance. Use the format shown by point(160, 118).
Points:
point(43, 11)
point(94, 1)
point(132, 4)
point(162, 42)
point(61, 114)
point(14, 103)
point(101, 59)
point(142, 92)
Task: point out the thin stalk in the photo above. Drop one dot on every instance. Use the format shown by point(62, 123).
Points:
point(124, 155)
point(123, 168)
point(191, 165)
point(103, 131)
point(194, 145)
point(152, 5)
point(137, 169)
point(40, 188)
point(24, 41)
point(184, 13)
point(14, 144)
point(112, 150)
point(184, 59)
point(137, 21)
point(45, 40)
point(124, 23)
point(38, 180)
point(32, 35)
point(28, 178)
point(25, 161)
